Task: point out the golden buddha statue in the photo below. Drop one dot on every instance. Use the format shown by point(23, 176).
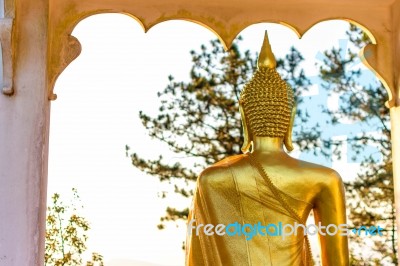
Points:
point(244, 205)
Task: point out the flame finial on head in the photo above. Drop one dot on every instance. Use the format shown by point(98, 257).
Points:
point(266, 57)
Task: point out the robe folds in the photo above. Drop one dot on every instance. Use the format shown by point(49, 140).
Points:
point(233, 192)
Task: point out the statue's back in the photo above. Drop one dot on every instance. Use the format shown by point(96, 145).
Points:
point(233, 191)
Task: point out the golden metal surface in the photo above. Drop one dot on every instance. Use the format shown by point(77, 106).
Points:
point(267, 100)
point(266, 186)
point(266, 57)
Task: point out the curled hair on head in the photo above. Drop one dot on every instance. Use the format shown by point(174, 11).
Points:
point(267, 102)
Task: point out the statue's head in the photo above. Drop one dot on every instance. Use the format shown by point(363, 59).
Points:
point(267, 103)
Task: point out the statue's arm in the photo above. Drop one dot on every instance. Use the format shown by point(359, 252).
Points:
point(329, 208)
point(193, 249)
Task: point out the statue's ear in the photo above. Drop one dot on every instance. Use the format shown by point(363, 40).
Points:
point(247, 137)
point(288, 136)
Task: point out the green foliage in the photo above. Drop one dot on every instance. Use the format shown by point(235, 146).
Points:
point(66, 235)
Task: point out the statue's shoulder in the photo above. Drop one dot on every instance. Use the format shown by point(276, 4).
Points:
point(324, 176)
point(229, 161)
point(220, 172)
point(330, 179)
point(325, 184)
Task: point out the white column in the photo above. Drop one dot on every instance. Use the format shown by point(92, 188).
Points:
point(395, 134)
point(395, 114)
point(24, 124)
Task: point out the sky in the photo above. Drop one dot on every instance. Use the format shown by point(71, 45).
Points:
point(100, 94)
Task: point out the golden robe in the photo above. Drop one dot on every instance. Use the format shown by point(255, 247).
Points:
point(234, 191)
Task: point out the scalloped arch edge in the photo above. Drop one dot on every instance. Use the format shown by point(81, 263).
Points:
point(69, 52)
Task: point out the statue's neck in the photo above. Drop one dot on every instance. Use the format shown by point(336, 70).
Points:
point(267, 145)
